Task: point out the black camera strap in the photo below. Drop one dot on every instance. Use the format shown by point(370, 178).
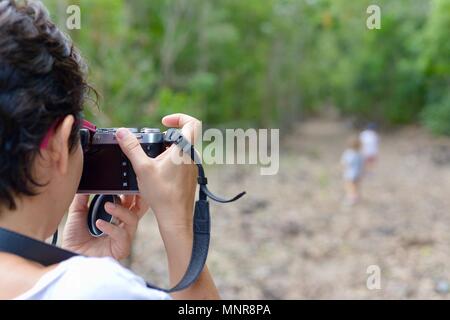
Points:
point(47, 255)
point(202, 218)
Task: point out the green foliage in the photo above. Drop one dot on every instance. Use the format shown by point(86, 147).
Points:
point(376, 74)
point(436, 66)
point(437, 116)
point(266, 63)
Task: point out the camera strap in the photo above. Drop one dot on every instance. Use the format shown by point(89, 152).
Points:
point(202, 218)
point(46, 254)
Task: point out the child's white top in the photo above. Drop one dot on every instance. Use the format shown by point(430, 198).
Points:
point(84, 278)
point(353, 164)
point(369, 143)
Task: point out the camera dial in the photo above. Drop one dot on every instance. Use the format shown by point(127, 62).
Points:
point(113, 130)
point(150, 130)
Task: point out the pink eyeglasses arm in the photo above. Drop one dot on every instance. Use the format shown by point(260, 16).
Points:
point(88, 125)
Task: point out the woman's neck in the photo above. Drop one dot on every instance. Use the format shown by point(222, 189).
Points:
point(33, 218)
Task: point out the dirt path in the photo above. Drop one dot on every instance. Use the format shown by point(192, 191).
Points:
point(292, 238)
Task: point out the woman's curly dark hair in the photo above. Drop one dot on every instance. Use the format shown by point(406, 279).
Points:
point(42, 79)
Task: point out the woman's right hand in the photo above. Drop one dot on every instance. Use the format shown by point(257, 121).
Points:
point(168, 187)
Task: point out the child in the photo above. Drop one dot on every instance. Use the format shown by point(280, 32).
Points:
point(369, 140)
point(352, 161)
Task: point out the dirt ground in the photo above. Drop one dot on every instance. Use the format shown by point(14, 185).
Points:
point(292, 238)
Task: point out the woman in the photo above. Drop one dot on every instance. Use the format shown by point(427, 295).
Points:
point(42, 91)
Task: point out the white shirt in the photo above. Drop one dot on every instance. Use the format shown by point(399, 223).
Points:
point(83, 278)
point(353, 163)
point(369, 141)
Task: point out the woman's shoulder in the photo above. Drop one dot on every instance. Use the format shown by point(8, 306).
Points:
point(18, 275)
point(89, 278)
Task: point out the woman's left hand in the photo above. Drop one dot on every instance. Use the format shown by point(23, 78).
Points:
point(118, 238)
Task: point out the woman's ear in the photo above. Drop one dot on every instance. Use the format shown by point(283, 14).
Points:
point(59, 144)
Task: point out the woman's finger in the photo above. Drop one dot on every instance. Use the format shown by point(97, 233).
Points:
point(129, 219)
point(116, 233)
point(132, 148)
point(190, 126)
point(127, 201)
point(79, 204)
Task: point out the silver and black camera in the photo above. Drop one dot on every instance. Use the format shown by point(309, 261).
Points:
point(106, 169)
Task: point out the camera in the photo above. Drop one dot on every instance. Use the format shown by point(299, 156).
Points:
point(107, 172)
point(106, 169)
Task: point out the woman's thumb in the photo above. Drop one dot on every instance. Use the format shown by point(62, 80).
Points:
point(132, 149)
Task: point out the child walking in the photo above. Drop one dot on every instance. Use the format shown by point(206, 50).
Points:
point(352, 162)
point(370, 144)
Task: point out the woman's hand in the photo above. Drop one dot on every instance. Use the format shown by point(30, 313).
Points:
point(118, 239)
point(168, 186)
point(170, 189)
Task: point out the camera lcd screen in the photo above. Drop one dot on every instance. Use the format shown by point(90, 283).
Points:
point(107, 170)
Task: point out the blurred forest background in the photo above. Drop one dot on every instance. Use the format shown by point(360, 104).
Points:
point(266, 63)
